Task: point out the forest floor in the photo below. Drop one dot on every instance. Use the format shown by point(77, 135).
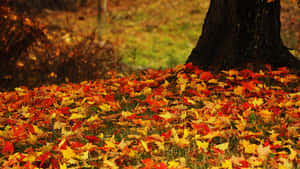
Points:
point(158, 33)
point(180, 118)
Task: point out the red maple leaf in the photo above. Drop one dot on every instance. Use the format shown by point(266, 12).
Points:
point(161, 166)
point(148, 163)
point(244, 163)
point(166, 135)
point(190, 66)
point(201, 128)
point(8, 147)
point(206, 76)
point(75, 145)
point(43, 158)
point(249, 85)
point(92, 139)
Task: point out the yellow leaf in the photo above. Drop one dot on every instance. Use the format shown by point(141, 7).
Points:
point(83, 100)
point(61, 142)
point(76, 116)
point(273, 136)
point(249, 148)
point(186, 133)
point(143, 131)
point(263, 152)
point(63, 166)
point(212, 134)
point(181, 142)
point(161, 145)
point(126, 114)
point(53, 115)
point(147, 91)
point(145, 146)
point(111, 164)
point(68, 153)
point(173, 164)
point(257, 101)
point(223, 146)
point(213, 81)
point(202, 145)
point(24, 111)
point(179, 68)
point(111, 142)
point(227, 164)
point(241, 124)
point(105, 107)
point(89, 146)
point(278, 142)
point(166, 115)
point(201, 87)
point(286, 164)
point(92, 118)
point(27, 21)
point(293, 153)
point(32, 138)
point(238, 90)
point(78, 109)
point(101, 135)
point(166, 84)
point(254, 161)
point(183, 115)
point(58, 125)
point(30, 158)
point(66, 101)
point(181, 82)
point(38, 130)
point(191, 101)
point(132, 153)
point(20, 91)
point(266, 115)
point(84, 155)
point(47, 147)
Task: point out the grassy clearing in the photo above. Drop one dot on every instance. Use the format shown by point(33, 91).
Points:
point(160, 34)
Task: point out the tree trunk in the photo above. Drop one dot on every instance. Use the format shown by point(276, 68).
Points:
point(238, 32)
point(101, 18)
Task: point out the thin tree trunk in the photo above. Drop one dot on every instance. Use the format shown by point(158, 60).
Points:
point(99, 19)
point(238, 32)
point(102, 8)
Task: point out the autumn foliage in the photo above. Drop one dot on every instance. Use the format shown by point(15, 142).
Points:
point(177, 118)
point(18, 33)
point(32, 54)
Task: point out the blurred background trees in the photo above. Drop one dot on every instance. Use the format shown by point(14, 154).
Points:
point(34, 54)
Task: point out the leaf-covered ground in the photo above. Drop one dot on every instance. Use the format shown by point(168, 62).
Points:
point(176, 118)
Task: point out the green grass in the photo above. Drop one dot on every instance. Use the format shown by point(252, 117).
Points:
point(160, 34)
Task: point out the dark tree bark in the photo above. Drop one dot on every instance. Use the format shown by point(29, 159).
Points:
point(238, 32)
